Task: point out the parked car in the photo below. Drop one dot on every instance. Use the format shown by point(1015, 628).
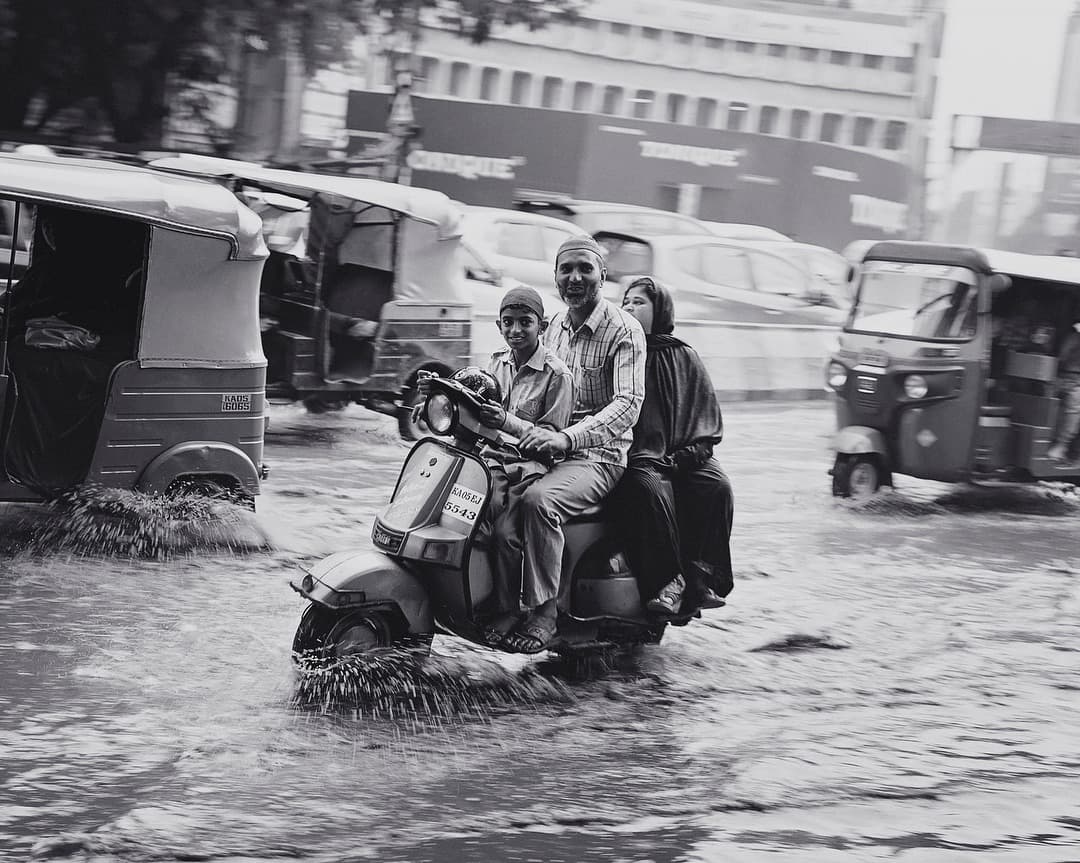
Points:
point(520, 244)
point(713, 279)
point(829, 269)
point(593, 216)
point(486, 284)
point(740, 231)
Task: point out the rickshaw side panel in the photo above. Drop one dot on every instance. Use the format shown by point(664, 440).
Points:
point(200, 307)
point(153, 410)
point(200, 375)
point(414, 335)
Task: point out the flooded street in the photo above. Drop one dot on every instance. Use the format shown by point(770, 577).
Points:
point(893, 680)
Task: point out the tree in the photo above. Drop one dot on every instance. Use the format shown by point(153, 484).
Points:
point(120, 67)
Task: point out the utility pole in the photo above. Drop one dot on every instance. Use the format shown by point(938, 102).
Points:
point(401, 127)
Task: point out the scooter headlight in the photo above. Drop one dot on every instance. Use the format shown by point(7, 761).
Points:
point(440, 413)
point(837, 375)
point(915, 387)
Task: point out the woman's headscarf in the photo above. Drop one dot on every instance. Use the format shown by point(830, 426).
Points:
point(663, 321)
point(680, 406)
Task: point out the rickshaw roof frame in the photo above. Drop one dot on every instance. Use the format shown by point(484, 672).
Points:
point(423, 205)
point(187, 204)
point(1058, 269)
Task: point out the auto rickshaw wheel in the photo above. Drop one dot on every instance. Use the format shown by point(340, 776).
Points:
point(857, 476)
point(211, 488)
point(321, 405)
point(408, 429)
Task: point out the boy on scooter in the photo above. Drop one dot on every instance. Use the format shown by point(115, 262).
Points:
point(537, 390)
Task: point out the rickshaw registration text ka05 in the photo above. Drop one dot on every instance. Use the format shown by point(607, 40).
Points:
point(463, 503)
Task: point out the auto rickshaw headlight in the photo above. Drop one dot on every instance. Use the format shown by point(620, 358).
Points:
point(915, 387)
point(837, 375)
point(440, 413)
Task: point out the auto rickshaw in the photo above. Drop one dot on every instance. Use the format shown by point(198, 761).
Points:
point(378, 295)
point(945, 368)
point(130, 355)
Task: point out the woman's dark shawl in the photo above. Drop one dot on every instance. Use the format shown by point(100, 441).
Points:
point(680, 419)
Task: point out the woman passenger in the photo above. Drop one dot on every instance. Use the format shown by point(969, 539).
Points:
point(674, 505)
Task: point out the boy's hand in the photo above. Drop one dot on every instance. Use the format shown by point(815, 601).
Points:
point(492, 415)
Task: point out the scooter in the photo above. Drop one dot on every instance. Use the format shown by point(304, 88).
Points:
point(429, 572)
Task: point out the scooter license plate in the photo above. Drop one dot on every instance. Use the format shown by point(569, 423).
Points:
point(867, 384)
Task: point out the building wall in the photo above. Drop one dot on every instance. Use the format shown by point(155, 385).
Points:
point(486, 153)
point(863, 72)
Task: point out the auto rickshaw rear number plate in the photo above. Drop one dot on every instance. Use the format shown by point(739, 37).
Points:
point(867, 384)
point(451, 328)
point(463, 503)
point(235, 402)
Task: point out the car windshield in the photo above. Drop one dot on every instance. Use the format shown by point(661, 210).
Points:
point(922, 301)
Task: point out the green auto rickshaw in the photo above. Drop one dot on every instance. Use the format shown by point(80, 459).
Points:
point(946, 367)
point(368, 295)
point(130, 353)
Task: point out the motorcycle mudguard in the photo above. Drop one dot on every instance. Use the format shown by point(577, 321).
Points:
point(353, 579)
point(859, 440)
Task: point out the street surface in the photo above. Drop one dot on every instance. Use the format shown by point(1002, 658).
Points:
point(898, 680)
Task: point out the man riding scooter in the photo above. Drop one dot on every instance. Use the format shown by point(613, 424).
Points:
point(604, 347)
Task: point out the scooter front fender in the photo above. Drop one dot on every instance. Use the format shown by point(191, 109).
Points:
point(358, 578)
point(859, 440)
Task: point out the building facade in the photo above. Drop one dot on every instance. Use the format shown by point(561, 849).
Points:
point(858, 74)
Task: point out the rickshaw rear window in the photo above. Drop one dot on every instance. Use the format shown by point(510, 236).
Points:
point(917, 301)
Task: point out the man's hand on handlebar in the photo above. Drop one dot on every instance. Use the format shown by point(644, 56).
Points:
point(545, 442)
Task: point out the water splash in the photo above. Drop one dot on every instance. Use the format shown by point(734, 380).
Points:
point(121, 523)
point(398, 684)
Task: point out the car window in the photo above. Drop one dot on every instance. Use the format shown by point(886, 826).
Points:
point(689, 260)
point(519, 240)
point(725, 266)
point(477, 269)
point(773, 275)
point(624, 257)
point(648, 223)
point(553, 238)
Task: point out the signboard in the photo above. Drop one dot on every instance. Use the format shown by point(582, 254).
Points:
point(1045, 137)
point(482, 153)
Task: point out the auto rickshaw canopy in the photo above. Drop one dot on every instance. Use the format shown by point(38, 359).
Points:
point(200, 288)
point(119, 189)
point(414, 233)
point(1059, 269)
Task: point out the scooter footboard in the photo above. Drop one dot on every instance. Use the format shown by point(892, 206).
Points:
point(353, 579)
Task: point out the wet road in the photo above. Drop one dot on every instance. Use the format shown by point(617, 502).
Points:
point(898, 680)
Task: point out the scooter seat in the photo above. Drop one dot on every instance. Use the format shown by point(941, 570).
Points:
point(591, 513)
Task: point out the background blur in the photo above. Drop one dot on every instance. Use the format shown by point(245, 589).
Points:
point(826, 120)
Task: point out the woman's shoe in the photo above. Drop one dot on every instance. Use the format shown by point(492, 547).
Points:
point(669, 598)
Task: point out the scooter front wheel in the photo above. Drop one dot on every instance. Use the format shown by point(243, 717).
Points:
point(328, 634)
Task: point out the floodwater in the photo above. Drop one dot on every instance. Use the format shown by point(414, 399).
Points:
point(898, 680)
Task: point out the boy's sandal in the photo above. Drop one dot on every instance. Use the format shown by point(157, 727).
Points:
point(493, 635)
point(531, 636)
